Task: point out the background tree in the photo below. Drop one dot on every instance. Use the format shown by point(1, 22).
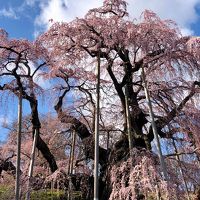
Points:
point(20, 61)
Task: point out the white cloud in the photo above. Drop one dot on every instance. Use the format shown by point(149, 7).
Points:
point(8, 13)
point(183, 12)
point(30, 2)
point(187, 31)
point(62, 10)
point(4, 120)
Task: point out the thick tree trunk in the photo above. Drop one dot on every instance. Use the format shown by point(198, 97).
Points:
point(40, 144)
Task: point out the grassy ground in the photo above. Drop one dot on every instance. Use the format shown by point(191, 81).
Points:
point(7, 193)
point(54, 195)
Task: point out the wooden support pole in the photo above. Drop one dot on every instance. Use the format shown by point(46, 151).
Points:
point(96, 151)
point(30, 173)
point(17, 181)
point(108, 140)
point(128, 120)
point(155, 132)
point(72, 152)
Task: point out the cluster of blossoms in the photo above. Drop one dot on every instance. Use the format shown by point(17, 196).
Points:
point(140, 177)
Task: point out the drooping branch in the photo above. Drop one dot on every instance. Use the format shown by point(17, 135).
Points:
point(163, 121)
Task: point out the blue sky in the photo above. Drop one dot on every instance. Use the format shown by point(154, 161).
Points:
point(17, 18)
point(28, 18)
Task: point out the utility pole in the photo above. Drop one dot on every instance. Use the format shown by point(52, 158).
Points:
point(155, 132)
point(30, 173)
point(17, 181)
point(96, 150)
